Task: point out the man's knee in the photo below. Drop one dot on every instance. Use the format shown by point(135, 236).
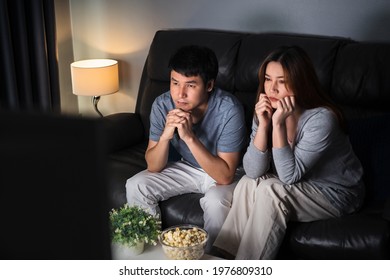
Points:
point(139, 192)
point(219, 196)
point(136, 187)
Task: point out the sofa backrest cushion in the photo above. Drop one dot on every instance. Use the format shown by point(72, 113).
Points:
point(254, 49)
point(361, 76)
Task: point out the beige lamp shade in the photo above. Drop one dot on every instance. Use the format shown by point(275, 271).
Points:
point(95, 77)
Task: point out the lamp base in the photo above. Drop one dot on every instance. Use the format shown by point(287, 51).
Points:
point(95, 100)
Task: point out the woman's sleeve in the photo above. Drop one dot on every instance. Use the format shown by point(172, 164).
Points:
point(256, 163)
point(316, 137)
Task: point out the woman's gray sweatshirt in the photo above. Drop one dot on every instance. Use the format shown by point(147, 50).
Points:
point(321, 155)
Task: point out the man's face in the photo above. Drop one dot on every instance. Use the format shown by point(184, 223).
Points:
point(189, 93)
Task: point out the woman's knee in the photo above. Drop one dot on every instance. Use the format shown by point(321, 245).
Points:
point(245, 186)
point(271, 187)
point(275, 193)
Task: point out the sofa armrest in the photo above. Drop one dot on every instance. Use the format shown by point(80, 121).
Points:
point(123, 130)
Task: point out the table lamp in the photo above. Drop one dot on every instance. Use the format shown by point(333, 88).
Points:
point(95, 77)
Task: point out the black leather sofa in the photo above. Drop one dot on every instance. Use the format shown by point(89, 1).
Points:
point(357, 77)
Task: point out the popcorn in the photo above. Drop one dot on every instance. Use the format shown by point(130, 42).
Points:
point(184, 243)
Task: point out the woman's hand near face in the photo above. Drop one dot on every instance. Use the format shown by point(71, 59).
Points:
point(285, 108)
point(264, 111)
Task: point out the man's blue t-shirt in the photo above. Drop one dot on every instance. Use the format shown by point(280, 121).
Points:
point(222, 128)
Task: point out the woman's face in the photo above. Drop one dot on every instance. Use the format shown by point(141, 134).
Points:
point(275, 84)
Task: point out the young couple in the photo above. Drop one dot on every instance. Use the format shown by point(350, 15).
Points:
point(299, 164)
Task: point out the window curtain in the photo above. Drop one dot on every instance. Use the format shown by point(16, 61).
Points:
point(28, 66)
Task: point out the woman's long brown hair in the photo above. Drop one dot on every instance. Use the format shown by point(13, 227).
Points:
point(300, 78)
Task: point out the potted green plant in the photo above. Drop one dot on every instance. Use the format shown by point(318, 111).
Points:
point(131, 228)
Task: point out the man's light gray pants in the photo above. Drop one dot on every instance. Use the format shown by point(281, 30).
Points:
point(146, 189)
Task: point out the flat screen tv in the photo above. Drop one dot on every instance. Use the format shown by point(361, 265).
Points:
point(53, 191)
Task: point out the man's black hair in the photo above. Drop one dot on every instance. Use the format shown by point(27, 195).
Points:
point(195, 60)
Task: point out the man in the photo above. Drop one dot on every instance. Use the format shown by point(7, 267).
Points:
point(206, 127)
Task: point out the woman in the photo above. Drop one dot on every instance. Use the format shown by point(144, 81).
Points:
point(299, 165)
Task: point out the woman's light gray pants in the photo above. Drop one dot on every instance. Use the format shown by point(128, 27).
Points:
point(261, 208)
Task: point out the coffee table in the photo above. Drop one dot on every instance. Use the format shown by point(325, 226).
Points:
point(156, 253)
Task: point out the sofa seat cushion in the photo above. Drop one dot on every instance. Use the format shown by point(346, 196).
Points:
point(182, 209)
point(357, 236)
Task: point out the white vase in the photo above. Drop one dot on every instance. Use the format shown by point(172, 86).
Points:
point(124, 252)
